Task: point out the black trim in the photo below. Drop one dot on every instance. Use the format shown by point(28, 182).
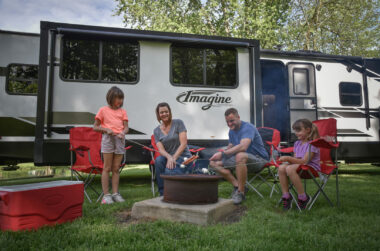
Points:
point(49, 119)
point(359, 152)
point(20, 33)
point(41, 94)
point(256, 87)
point(152, 37)
point(366, 98)
point(3, 71)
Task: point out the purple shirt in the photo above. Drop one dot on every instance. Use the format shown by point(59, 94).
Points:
point(300, 149)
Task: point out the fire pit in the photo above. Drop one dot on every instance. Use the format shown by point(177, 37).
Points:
point(193, 189)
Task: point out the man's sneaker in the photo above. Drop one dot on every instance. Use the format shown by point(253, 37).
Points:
point(304, 203)
point(117, 197)
point(246, 189)
point(238, 197)
point(107, 199)
point(287, 203)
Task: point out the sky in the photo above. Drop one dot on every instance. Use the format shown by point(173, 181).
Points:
point(25, 15)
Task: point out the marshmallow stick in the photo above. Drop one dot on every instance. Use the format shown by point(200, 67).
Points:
point(191, 159)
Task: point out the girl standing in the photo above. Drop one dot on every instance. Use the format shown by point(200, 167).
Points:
point(305, 131)
point(112, 122)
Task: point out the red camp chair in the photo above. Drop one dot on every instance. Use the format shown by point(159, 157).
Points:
point(85, 144)
point(271, 139)
point(326, 142)
point(155, 153)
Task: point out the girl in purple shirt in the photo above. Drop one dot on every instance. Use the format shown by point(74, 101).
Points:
point(305, 131)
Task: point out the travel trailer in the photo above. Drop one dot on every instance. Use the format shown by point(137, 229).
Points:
point(199, 76)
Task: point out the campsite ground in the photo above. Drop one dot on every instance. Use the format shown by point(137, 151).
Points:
point(259, 224)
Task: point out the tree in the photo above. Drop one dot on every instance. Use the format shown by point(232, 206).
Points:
point(233, 18)
point(343, 27)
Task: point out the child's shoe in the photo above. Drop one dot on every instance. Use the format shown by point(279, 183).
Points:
point(107, 199)
point(117, 197)
point(287, 203)
point(304, 203)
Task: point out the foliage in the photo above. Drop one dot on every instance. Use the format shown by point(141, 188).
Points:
point(233, 18)
point(345, 27)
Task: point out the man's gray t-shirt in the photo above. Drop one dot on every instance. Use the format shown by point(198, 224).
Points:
point(171, 141)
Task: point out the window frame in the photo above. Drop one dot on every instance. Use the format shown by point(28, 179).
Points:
point(340, 93)
point(100, 63)
point(307, 81)
point(7, 80)
point(203, 48)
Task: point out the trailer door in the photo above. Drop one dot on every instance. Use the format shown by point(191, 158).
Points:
point(275, 98)
point(302, 95)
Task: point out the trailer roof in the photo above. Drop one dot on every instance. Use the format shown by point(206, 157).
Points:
point(310, 54)
point(20, 33)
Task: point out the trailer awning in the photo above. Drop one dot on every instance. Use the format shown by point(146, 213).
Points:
point(154, 37)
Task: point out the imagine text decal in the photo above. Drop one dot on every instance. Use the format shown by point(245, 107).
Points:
point(209, 97)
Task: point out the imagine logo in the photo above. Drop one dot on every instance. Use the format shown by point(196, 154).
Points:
point(209, 97)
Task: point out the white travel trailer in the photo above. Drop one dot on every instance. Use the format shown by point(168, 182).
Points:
point(199, 76)
point(318, 86)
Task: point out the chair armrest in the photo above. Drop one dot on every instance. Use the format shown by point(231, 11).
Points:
point(286, 150)
point(79, 148)
point(148, 148)
point(322, 143)
point(195, 150)
point(128, 147)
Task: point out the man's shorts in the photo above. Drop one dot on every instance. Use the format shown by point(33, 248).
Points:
point(254, 163)
point(112, 144)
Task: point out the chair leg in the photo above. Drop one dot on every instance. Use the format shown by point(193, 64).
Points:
point(254, 189)
point(337, 188)
point(320, 190)
point(151, 167)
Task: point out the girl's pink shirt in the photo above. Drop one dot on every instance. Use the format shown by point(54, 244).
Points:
point(112, 119)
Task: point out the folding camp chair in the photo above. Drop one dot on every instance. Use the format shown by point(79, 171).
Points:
point(155, 153)
point(271, 139)
point(326, 142)
point(85, 144)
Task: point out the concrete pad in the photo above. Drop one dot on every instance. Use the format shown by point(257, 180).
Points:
point(198, 214)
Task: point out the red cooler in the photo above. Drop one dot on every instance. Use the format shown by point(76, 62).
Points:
point(31, 206)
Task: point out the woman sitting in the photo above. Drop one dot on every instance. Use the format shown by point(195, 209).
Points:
point(171, 140)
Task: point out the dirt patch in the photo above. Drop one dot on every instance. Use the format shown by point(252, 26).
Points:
point(125, 217)
point(235, 215)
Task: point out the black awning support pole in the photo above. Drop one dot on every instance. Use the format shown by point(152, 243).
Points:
point(365, 89)
point(49, 115)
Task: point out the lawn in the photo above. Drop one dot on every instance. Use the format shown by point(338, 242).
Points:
point(263, 226)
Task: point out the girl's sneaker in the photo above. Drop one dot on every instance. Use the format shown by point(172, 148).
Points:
point(287, 203)
point(304, 203)
point(107, 199)
point(117, 197)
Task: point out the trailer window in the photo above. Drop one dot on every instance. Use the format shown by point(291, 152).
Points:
point(350, 94)
point(100, 61)
point(203, 66)
point(22, 79)
point(301, 81)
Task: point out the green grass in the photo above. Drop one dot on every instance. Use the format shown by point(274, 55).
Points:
point(353, 226)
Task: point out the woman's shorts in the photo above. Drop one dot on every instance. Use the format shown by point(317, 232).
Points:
point(254, 163)
point(112, 144)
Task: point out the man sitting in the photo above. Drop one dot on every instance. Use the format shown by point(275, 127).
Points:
point(245, 150)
